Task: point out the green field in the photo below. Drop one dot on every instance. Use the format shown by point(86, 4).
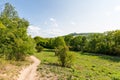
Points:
point(87, 66)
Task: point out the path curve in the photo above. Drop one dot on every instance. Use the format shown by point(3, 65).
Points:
point(29, 73)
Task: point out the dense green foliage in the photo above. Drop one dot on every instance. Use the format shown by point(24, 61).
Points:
point(14, 42)
point(59, 41)
point(65, 58)
point(39, 48)
point(40, 43)
point(103, 43)
point(100, 43)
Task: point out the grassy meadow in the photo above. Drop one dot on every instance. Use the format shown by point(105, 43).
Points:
point(87, 67)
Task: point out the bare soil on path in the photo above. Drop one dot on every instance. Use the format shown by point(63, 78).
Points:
point(30, 73)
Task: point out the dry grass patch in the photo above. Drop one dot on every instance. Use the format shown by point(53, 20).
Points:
point(9, 69)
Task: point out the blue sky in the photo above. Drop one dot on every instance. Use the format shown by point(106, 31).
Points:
point(50, 18)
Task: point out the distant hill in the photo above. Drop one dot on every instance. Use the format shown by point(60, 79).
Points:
point(82, 34)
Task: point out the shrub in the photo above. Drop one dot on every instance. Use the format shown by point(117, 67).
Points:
point(65, 58)
point(70, 57)
point(57, 50)
point(116, 50)
point(39, 48)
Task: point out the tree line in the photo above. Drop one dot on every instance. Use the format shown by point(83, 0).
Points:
point(100, 43)
point(107, 43)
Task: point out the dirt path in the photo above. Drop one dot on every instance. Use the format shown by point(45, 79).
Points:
point(29, 73)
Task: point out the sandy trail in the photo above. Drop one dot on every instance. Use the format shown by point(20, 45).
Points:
point(29, 73)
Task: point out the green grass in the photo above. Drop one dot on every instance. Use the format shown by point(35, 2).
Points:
point(87, 66)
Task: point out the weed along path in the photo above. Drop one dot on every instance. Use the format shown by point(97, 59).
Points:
point(29, 73)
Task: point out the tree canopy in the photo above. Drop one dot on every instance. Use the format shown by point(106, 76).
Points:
point(14, 42)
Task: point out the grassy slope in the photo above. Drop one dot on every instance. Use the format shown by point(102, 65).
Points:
point(9, 69)
point(87, 67)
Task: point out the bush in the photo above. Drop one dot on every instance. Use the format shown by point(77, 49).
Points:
point(39, 48)
point(116, 50)
point(65, 58)
point(70, 57)
point(57, 50)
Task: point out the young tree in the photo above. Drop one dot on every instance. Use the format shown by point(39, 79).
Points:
point(59, 41)
point(65, 58)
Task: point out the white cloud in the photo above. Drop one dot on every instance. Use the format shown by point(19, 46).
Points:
point(34, 30)
point(114, 11)
point(54, 32)
point(52, 19)
point(73, 23)
point(53, 22)
point(50, 32)
point(117, 8)
point(52, 29)
point(45, 23)
point(108, 13)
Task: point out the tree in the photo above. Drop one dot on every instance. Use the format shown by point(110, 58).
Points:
point(40, 41)
point(59, 41)
point(15, 43)
point(9, 11)
point(67, 39)
point(116, 37)
point(2, 26)
point(76, 43)
point(50, 43)
point(66, 58)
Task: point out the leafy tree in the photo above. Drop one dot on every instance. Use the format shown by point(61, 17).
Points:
point(116, 37)
point(50, 43)
point(76, 43)
point(9, 11)
point(67, 39)
point(66, 58)
point(39, 48)
point(2, 26)
point(59, 41)
point(84, 41)
point(41, 41)
point(15, 43)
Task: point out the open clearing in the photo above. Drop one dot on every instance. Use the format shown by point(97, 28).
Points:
point(87, 67)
